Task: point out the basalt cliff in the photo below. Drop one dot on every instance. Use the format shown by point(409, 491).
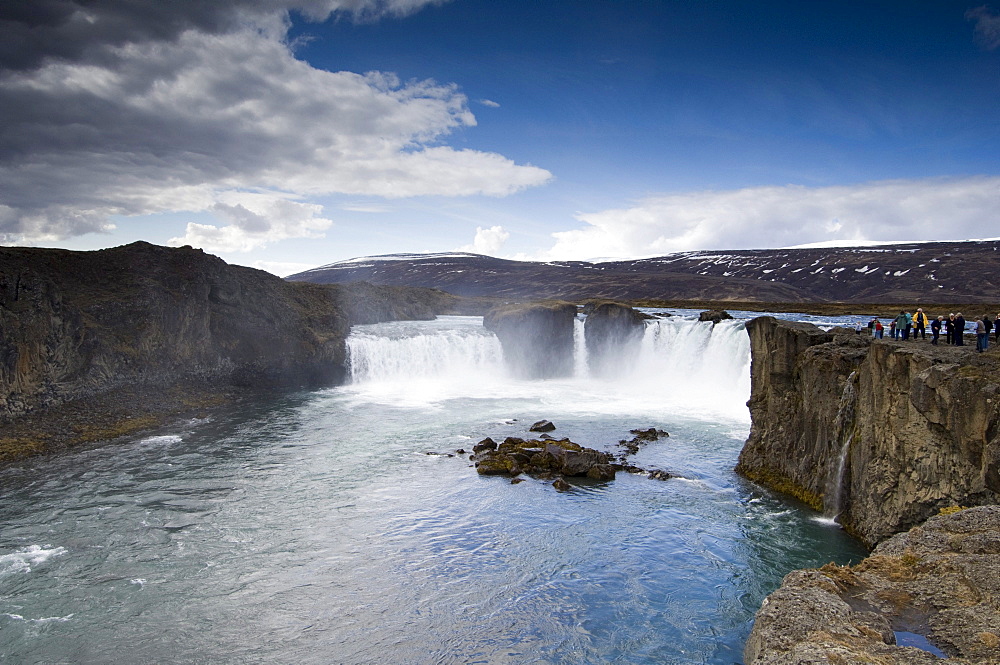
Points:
point(882, 434)
point(92, 342)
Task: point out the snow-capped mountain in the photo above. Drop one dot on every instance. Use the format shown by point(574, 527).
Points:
point(937, 272)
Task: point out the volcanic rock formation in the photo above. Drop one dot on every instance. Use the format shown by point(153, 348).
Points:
point(883, 434)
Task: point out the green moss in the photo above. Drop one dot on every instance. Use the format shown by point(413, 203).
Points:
point(12, 448)
point(779, 482)
point(87, 433)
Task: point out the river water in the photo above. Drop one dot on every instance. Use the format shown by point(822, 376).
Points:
point(341, 526)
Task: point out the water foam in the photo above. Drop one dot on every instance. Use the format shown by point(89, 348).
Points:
point(23, 560)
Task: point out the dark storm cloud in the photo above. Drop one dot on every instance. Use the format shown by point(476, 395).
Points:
point(128, 107)
point(34, 30)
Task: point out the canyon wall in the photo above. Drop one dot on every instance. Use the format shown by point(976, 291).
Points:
point(881, 433)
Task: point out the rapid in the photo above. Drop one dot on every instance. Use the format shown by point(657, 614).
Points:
point(342, 525)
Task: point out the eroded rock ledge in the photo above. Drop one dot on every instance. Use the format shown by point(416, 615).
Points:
point(940, 580)
point(884, 434)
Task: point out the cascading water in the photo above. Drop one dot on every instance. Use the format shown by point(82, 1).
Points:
point(844, 432)
point(344, 526)
point(580, 368)
point(679, 363)
point(447, 348)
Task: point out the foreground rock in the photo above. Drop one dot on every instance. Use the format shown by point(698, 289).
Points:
point(537, 338)
point(613, 332)
point(941, 580)
point(884, 433)
point(139, 322)
point(542, 458)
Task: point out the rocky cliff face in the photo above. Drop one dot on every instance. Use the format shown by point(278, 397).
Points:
point(78, 324)
point(537, 337)
point(883, 434)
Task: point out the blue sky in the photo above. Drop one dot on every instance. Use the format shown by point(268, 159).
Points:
point(291, 134)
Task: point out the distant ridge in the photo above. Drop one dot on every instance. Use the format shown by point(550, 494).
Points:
point(922, 272)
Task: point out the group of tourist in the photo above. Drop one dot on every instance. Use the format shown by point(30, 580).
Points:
point(907, 326)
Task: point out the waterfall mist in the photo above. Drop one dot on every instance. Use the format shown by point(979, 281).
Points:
point(678, 363)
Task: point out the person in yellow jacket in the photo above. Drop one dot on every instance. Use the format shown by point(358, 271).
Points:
point(920, 324)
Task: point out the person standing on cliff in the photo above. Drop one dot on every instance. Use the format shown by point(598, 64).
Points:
point(920, 324)
point(950, 328)
point(936, 329)
point(959, 330)
point(996, 326)
point(982, 337)
point(903, 326)
point(880, 329)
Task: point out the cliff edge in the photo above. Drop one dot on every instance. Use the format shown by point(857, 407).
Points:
point(882, 434)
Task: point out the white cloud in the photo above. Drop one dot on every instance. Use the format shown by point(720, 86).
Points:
point(149, 125)
point(760, 217)
point(987, 31)
point(487, 241)
point(256, 222)
point(490, 103)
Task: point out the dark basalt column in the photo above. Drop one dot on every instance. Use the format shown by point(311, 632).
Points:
point(537, 338)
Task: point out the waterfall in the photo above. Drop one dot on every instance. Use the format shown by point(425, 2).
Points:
point(580, 367)
point(679, 365)
point(448, 348)
point(843, 423)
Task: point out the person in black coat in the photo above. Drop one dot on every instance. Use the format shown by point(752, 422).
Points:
point(936, 329)
point(959, 330)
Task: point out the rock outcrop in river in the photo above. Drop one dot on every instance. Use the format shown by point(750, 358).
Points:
point(537, 337)
point(77, 325)
point(940, 582)
point(883, 434)
point(613, 332)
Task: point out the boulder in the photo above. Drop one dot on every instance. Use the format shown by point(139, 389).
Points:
point(537, 338)
point(516, 455)
point(542, 426)
point(714, 315)
point(485, 444)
